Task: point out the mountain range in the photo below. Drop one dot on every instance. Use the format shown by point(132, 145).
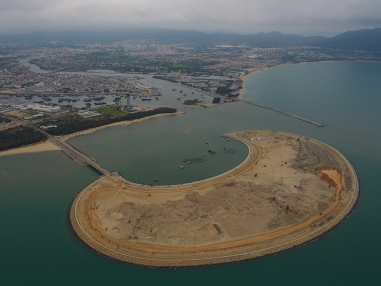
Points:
point(363, 40)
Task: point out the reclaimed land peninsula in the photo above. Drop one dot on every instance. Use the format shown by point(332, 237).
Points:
point(288, 191)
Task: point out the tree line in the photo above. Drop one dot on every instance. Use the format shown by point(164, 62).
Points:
point(80, 124)
point(19, 136)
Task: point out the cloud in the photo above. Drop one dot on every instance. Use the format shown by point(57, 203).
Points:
point(237, 15)
point(23, 5)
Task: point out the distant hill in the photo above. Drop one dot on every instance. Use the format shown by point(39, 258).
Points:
point(271, 39)
point(366, 40)
point(158, 35)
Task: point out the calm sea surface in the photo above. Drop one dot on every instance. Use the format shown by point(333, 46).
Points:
point(38, 248)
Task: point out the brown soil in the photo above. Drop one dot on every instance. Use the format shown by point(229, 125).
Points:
point(288, 191)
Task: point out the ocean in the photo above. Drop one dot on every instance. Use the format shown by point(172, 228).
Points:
point(39, 248)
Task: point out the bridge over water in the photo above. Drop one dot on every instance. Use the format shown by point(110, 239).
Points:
point(78, 157)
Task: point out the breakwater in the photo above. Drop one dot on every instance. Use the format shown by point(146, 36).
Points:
point(285, 113)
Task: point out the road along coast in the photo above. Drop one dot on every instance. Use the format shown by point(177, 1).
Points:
point(288, 191)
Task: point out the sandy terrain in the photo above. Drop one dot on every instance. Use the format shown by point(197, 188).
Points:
point(244, 79)
point(40, 147)
point(288, 191)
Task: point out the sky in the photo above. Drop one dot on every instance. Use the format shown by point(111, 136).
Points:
point(303, 17)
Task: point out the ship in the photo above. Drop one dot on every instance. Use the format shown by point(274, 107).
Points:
point(100, 103)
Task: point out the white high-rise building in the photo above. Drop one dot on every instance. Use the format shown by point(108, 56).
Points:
point(128, 102)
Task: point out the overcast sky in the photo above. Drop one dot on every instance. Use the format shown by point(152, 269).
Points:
point(306, 17)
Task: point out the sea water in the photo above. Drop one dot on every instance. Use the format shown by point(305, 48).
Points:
point(38, 247)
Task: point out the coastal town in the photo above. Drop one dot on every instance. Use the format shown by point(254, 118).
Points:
point(190, 142)
point(54, 80)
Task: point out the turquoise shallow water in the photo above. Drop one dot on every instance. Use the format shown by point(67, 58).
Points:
point(36, 190)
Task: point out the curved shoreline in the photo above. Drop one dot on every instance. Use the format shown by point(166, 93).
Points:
point(236, 250)
point(245, 77)
point(49, 146)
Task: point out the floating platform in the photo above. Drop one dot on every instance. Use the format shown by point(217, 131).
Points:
point(230, 151)
point(193, 160)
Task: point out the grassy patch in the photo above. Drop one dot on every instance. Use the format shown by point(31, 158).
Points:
point(191, 102)
point(112, 110)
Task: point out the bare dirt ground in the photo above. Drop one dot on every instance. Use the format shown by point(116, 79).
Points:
point(288, 191)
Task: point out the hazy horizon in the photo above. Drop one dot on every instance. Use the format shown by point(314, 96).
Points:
point(302, 17)
point(300, 33)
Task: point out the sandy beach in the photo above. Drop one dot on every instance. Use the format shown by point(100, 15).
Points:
point(49, 146)
point(288, 191)
point(244, 79)
point(39, 147)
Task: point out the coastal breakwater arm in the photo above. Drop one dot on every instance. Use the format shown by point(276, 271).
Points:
point(285, 113)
